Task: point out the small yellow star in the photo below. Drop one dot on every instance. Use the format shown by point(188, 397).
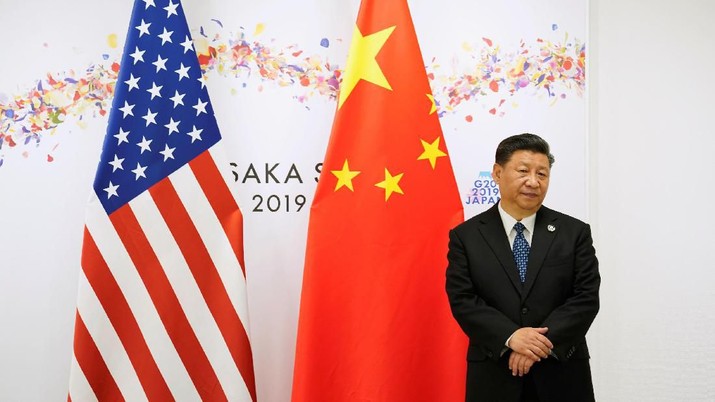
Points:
point(345, 176)
point(390, 184)
point(361, 62)
point(434, 104)
point(432, 152)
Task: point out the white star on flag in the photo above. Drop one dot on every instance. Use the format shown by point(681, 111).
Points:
point(195, 134)
point(165, 36)
point(143, 28)
point(173, 126)
point(188, 44)
point(171, 9)
point(116, 163)
point(168, 153)
point(183, 71)
point(150, 117)
point(178, 99)
point(139, 171)
point(160, 63)
point(144, 145)
point(133, 82)
point(112, 190)
point(155, 90)
point(200, 107)
point(138, 55)
point(127, 109)
point(121, 136)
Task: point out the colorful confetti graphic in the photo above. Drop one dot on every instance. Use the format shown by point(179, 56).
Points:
point(541, 68)
point(548, 70)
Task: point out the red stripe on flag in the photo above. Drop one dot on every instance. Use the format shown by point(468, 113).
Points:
point(92, 364)
point(229, 215)
point(120, 315)
point(167, 304)
point(221, 200)
point(207, 278)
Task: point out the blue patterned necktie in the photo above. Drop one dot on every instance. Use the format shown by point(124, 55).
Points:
point(521, 251)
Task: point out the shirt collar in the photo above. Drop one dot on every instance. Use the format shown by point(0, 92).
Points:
point(508, 221)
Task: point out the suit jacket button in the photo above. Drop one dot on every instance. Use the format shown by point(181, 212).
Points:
point(524, 310)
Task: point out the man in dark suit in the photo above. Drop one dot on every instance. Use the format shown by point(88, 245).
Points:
point(523, 284)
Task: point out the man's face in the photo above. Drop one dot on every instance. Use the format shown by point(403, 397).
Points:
point(523, 182)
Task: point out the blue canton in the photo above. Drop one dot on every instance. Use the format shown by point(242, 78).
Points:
point(161, 116)
point(521, 250)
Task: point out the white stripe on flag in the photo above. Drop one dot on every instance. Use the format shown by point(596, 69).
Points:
point(80, 390)
point(187, 291)
point(108, 342)
point(214, 236)
point(129, 281)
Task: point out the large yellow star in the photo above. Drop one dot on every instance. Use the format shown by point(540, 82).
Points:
point(345, 176)
point(432, 152)
point(361, 62)
point(391, 184)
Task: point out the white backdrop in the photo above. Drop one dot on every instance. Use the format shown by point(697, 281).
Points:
point(648, 141)
point(652, 141)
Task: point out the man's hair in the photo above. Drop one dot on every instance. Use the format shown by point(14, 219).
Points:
point(522, 142)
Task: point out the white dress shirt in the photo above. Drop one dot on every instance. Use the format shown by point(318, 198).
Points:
point(509, 223)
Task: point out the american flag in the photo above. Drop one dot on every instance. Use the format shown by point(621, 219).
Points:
point(161, 311)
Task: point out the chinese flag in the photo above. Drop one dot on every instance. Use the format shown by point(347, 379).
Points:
point(375, 323)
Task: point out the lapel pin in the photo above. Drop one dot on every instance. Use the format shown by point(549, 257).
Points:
point(551, 228)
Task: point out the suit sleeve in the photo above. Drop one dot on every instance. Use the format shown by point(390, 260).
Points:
point(569, 322)
point(483, 324)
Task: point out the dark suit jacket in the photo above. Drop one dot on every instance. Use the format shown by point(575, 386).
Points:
point(490, 303)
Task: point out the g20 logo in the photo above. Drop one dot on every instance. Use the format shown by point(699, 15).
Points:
point(484, 191)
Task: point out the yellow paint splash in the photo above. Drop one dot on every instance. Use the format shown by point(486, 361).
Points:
point(112, 40)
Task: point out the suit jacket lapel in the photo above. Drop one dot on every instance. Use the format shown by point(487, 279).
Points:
point(541, 242)
point(492, 229)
